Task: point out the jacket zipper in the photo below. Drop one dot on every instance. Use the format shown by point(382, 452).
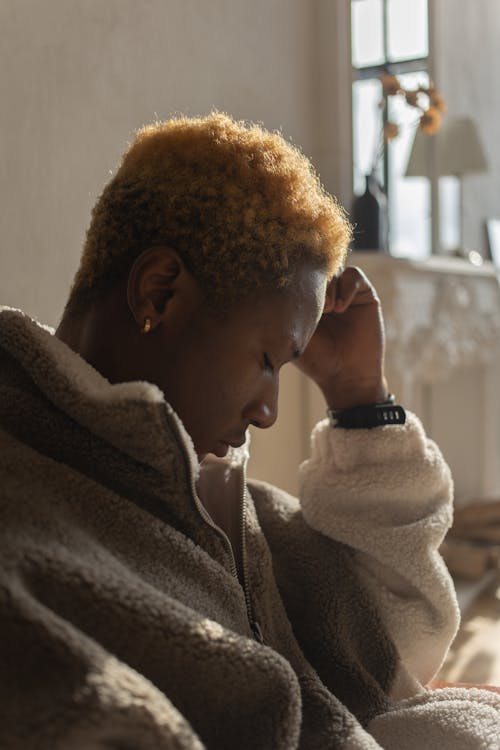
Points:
point(254, 625)
point(256, 629)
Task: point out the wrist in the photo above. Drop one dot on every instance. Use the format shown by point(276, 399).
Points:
point(351, 393)
point(368, 416)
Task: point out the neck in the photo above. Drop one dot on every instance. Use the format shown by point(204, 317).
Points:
point(99, 335)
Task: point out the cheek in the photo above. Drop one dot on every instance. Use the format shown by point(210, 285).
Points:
point(207, 390)
point(208, 381)
point(228, 389)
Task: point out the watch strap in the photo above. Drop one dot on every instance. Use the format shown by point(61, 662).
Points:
point(368, 416)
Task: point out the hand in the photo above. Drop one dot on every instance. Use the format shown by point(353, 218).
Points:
point(345, 356)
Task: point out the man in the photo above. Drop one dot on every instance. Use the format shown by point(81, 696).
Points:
point(150, 597)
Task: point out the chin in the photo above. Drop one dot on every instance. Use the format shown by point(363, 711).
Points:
point(220, 449)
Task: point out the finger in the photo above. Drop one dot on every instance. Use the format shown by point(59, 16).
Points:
point(330, 296)
point(348, 287)
point(354, 288)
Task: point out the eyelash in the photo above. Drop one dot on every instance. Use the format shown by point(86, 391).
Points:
point(268, 365)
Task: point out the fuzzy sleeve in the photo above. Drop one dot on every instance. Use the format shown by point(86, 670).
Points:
point(387, 493)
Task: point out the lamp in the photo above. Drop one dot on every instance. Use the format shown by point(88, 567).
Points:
point(455, 150)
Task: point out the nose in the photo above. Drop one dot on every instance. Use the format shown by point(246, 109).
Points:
point(262, 411)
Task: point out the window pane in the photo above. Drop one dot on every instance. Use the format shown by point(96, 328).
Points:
point(410, 219)
point(409, 205)
point(367, 32)
point(449, 213)
point(407, 32)
point(367, 128)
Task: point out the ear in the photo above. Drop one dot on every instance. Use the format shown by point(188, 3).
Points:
point(157, 283)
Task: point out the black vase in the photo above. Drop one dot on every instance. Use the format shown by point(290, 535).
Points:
point(370, 218)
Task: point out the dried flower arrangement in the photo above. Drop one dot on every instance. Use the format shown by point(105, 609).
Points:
point(428, 103)
point(370, 213)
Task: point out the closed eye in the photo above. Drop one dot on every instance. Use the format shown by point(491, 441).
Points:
point(268, 365)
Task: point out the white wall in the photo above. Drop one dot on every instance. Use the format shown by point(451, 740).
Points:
point(467, 71)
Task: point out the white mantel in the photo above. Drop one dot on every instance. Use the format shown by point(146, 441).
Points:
point(442, 320)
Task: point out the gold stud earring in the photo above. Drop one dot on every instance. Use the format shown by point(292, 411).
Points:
point(147, 326)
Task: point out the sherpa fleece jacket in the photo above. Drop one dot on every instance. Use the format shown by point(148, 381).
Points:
point(123, 623)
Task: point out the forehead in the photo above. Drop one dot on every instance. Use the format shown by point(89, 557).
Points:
point(290, 314)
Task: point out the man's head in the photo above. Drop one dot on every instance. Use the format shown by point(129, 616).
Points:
point(220, 373)
point(241, 206)
point(221, 236)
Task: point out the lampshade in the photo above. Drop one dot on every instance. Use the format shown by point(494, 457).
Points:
point(454, 150)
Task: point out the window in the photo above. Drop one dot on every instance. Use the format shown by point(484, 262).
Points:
point(390, 36)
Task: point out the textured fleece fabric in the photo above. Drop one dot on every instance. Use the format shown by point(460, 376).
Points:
point(124, 626)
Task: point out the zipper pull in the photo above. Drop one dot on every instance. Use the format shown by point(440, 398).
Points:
point(257, 632)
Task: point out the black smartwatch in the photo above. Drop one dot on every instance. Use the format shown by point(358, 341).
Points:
point(368, 416)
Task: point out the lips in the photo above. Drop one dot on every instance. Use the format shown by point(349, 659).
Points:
point(223, 446)
point(236, 443)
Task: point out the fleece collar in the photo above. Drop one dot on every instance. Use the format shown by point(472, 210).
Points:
point(132, 416)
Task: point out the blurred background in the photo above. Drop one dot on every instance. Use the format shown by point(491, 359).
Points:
point(395, 102)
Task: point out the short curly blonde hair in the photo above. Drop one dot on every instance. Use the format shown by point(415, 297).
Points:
point(241, 205)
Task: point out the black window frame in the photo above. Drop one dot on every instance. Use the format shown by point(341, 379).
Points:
point(397, 68)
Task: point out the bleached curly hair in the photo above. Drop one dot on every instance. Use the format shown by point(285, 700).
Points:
point(242, 206)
